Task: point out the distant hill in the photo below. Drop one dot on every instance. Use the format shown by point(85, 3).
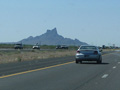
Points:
point(51, 37)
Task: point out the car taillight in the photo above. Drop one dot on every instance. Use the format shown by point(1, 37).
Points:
point(78, 51)
point(95, 52)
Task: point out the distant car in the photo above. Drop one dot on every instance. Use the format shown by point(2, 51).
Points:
point(36, 47)
point(18, 46)
point(88, 53)
point(62, 47)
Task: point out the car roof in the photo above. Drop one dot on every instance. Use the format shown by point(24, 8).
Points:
point(88, 45)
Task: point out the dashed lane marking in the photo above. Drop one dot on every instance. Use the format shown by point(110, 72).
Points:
point(105, 76)
point(114, 67)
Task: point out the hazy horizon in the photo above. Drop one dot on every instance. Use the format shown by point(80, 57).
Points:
point(95, 22)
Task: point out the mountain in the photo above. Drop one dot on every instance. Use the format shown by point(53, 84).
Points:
point(51, 37)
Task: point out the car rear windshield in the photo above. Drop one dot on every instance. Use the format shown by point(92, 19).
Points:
point(88, 47)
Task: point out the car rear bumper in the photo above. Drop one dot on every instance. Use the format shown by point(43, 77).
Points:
point(87, 57)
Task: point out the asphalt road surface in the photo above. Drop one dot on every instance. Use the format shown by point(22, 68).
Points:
point(65, 76)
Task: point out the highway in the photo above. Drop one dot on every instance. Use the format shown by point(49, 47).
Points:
point(62, 74)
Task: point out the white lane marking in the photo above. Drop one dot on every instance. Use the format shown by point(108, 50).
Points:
point(118, 62)
point(105, 76)
point(114, 67)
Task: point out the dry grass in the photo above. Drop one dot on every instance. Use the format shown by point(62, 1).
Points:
point(18, 56)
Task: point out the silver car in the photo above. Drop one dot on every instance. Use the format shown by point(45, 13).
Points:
point(88, 53)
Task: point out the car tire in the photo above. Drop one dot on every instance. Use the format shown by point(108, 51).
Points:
point(99, 60)
point(81, 62)
point(76, 61)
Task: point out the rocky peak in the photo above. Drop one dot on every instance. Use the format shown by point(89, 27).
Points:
point(53, 31)
point(51, 37)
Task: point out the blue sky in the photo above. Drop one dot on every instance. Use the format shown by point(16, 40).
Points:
point(95, 22)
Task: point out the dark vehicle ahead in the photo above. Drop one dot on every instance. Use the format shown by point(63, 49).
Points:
point(62, 47)
point(18, 46)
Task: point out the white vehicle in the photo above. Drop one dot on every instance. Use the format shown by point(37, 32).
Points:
point(36, 46)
